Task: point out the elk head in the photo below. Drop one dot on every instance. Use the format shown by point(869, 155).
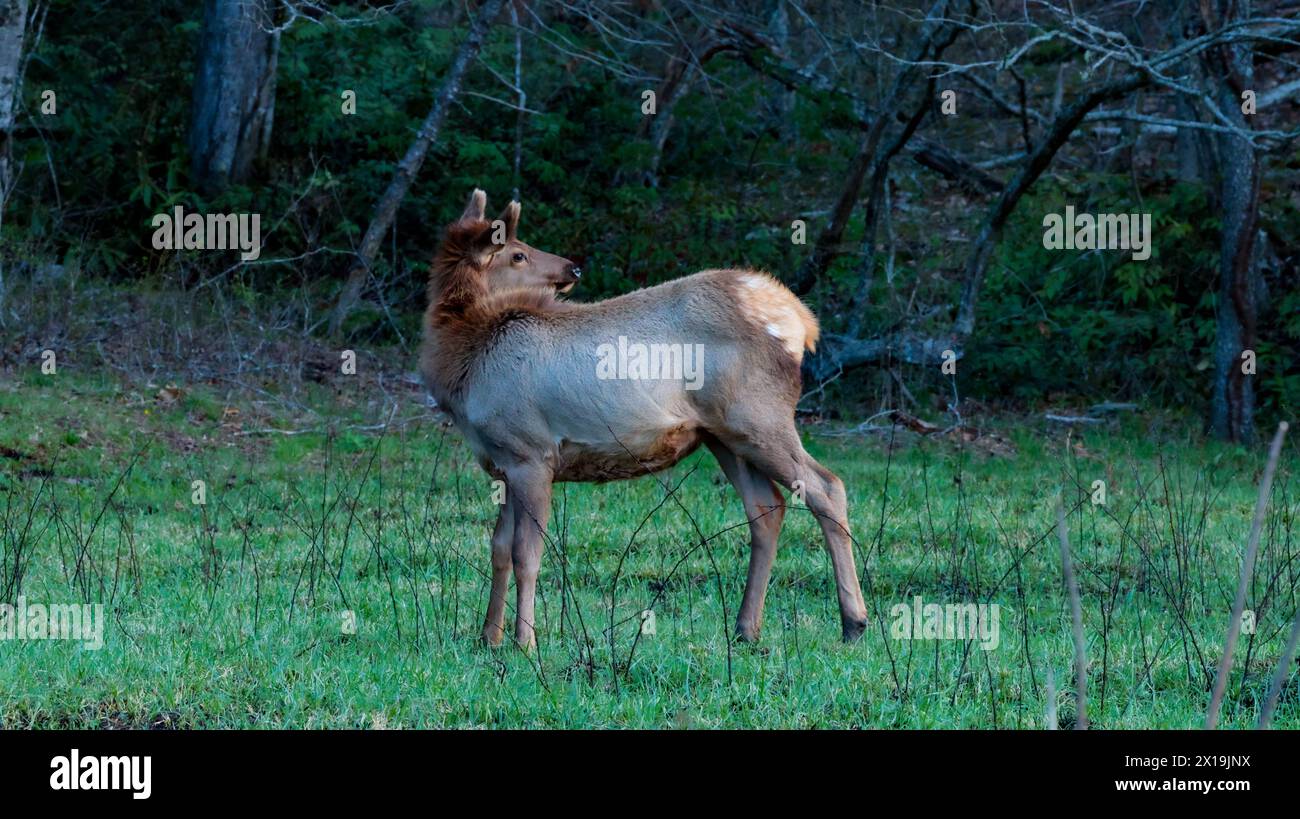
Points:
point(507, 262)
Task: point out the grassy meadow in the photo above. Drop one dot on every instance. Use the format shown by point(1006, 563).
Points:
point(235, 613)
point(276, 542)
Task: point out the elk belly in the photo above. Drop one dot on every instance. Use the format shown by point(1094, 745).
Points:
point(622, 459)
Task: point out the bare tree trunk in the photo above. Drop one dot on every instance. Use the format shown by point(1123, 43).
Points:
point(782, 99)
point(829, 244)
point(875, 202)
point(234, 92)
point(1232, 400)
point(827, 247)
point(386, 207)
point(1194, 147)
point(1057, 135)
point(677, 82)
point(678, 76)
point(521, 101)
point(13, 30)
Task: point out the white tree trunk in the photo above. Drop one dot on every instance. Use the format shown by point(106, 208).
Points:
point(234, 92)
point(13, 29)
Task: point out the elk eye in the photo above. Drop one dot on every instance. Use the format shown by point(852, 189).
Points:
point(518, 258)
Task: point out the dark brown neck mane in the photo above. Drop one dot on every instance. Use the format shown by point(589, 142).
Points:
point(464, 315)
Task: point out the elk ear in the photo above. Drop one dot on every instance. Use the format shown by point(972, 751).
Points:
point(510, 216)
point(476, 206)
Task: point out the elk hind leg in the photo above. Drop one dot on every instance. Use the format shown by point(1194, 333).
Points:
point(776, 450)
point(765, 509)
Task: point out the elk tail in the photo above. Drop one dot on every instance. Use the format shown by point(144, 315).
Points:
point(779, 312)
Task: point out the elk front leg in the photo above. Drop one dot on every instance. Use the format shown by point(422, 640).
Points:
point(503, 537)
point(531, 490)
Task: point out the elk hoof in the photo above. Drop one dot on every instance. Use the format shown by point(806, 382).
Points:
point(853, 629)
point(746, 633)
point(492, 637)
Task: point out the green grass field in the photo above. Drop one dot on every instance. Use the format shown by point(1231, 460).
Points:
point(232, 614)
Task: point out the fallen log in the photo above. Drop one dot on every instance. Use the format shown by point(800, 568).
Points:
point(1074, 419)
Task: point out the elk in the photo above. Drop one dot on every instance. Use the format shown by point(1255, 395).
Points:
point(517, 369)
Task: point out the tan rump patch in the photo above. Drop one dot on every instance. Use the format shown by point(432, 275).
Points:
point(770, 305)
